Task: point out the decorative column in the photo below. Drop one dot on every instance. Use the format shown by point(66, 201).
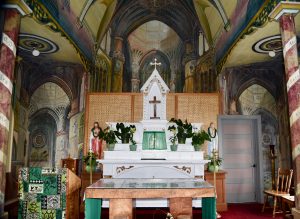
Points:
point(135, 77)
point(284, 12)
point(173, 77)
point(62, 138)
point(189, 69)
point(7, 65)
point(118, 62)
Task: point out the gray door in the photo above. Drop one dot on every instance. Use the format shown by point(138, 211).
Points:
point(239, 140)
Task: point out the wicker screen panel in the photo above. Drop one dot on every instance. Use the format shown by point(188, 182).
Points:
point(103, 107)
point(202, 108)
point(138, 107)
point(171, 106)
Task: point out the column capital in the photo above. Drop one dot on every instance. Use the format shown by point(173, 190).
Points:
point(285, 7)
point(19, 5)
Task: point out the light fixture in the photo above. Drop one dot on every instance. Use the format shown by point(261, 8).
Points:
point(272, 53)
point(35, 52)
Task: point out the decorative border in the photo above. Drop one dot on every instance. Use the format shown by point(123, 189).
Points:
point(258, 21)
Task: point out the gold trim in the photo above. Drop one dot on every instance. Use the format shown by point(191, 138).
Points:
point(85, 61)
point(284, 6)
point(222, 61)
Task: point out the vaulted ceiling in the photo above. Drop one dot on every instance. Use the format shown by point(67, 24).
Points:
point(75, 26)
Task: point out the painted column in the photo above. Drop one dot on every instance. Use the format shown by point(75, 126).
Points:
point(118, 61)
point(135, 79)
point(284, 12)
point(7, 65)
point(62, 139)
point(190, 65)
point(173, 77)
point(289, 42)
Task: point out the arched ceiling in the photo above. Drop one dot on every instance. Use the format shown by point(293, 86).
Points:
point(48, 95)
point(257, 97)
point(75, 26)
point(179, 15)
point(153, 35)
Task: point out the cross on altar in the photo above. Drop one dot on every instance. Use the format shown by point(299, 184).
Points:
point(154, 102)
point(155, 63)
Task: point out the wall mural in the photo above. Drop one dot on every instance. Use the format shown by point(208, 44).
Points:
point(51, 102)
point(256, 100)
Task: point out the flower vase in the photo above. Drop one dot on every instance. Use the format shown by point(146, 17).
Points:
point(197, 147)
point(110, 147)
point(212, 168)
point(181, 140)
point(88, 168)
point(133, 147)
point(174, 147)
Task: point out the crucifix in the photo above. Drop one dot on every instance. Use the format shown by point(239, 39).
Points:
point(155, 63)
point(154, 102)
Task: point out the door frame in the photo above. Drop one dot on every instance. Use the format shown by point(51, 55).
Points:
point(258, 172)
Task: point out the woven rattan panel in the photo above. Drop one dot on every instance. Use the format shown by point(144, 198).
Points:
point(171, 107)
point(202, 107)
point(137, 107)
point(103, 108)
point(128, 107)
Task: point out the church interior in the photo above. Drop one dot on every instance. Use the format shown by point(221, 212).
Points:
point(72, 71)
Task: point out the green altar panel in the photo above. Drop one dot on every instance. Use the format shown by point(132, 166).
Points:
point(209, 210)
point(92, 208)
point(154, 140)
point(42, 193)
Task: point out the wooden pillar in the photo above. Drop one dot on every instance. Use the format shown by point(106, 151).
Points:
point(284, 13)
point(7, 65)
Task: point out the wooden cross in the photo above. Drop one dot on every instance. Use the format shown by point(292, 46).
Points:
point(155, 63)
point(154, 102)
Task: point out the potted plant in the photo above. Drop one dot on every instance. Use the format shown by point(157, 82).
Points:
point(173, 138)
point(214, 164)
point(199, 138)
point(110, 138)
point(125, 133)
point(90, 161)
point(133, 145)
point(184, 130)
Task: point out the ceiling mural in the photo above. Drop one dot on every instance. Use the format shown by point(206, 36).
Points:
point(265, 45)
point(77, 26)
point(30, 42)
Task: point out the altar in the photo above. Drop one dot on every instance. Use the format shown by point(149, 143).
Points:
point(153, 157)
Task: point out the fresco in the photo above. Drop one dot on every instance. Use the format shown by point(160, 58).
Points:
point(244, 12)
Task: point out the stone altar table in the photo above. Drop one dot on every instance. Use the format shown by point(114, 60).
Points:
point(123, 192)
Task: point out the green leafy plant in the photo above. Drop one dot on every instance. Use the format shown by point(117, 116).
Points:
point(173, 138)
point(184, 130)
point(200, 137)
point(109, 136)
point(90, 159)
point(125, 133)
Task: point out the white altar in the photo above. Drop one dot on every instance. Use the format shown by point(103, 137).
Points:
point(183, 163)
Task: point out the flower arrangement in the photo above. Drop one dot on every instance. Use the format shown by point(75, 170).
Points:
point(215, 162)
point(90, 159)
point(199, 138)
point(125, 133)
point(109, 136)
point(184, 130)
